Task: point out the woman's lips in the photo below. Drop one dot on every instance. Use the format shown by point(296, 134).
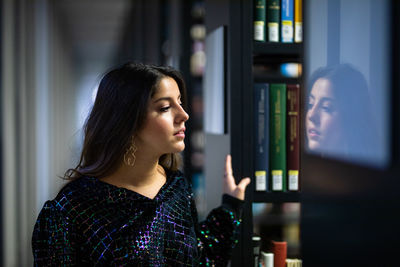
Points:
point(314, 134)
point(180, 134)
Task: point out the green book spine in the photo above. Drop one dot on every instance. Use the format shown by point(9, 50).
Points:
point(259, 20)
point(278, 137)
point(273, 18)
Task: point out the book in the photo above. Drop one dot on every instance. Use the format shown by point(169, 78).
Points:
point(256, 242)
point(273, 18)
point(279, 249)
point(287, 27)
point(293, 140)
point(298, 21)
point(261, 104)
point(277, 143)
point(293, 263)
point(259, 20)
point(267, 259)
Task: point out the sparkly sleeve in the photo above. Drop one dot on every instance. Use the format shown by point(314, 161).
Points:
point(53, 239)
point(218, 234)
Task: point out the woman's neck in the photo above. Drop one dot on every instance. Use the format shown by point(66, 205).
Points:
point(145, 173)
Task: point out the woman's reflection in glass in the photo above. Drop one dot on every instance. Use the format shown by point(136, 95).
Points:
point(338, 118)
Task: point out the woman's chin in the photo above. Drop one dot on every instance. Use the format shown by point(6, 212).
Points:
point(314, 145)
point(179, 148)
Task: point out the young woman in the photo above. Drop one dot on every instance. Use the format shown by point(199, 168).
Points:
point(127, 203)
point(339, 120)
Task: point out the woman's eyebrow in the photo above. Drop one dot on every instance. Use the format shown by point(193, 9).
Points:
point(327, 99)
point(168, 98)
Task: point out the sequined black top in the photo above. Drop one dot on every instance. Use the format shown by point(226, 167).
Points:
point(91, 222)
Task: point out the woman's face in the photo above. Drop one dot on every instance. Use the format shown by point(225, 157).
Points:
point(322, 120)
point(164, 128)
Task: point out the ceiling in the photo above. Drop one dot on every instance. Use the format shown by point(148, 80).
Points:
point(93, 28)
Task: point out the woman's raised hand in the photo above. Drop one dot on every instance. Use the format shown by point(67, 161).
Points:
point(230, 186)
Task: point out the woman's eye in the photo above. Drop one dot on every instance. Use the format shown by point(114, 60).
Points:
point(327, 109)
point(310, 104)
point(164, 109)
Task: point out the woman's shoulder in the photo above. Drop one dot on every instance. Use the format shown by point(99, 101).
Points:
point(174, 173)
point(176, 176)
point(78, 186)
point(72, 194)
point(89, 191)
point(178, 181)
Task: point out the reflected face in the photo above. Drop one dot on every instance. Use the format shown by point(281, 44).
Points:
point(164, 129)
point(323, 125)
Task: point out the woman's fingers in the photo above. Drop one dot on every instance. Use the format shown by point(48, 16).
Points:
point(228, 165)
point(244, 183)
point(241, 188)
point(230, 186)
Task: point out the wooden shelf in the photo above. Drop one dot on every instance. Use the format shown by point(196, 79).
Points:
point(276, 197)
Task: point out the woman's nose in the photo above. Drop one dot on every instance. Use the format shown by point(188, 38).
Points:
point(312, 115)
point(185, 115)
point(182, 116)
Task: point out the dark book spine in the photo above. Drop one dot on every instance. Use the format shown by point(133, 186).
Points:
point(293, 140)
point(261, 103)
point(259, 20)
point(273, 18)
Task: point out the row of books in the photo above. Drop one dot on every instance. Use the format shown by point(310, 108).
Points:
point(276, 257)
point(277, 151)
point(278, 21)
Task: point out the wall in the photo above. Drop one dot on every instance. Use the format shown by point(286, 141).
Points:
point(37, 114)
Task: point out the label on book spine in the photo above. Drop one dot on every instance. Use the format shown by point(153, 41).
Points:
point(287, 31)
point(277, 180)
point(261, 180)
point(273, 32)
point(293, 180)
point(298, 35)
point(259, 29)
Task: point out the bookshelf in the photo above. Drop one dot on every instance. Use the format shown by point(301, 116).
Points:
point(271, 49)
point(273, 54)
point(348, 212)
point(192, 67)
point(242, 55)
point(265, 54)
point(276, 197)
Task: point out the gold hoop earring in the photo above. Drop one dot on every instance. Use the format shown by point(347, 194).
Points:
point(129, 156)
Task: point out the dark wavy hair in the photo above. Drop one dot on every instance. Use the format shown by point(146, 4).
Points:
point(118, 113)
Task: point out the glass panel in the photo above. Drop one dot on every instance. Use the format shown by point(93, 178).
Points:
point(348, 80)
